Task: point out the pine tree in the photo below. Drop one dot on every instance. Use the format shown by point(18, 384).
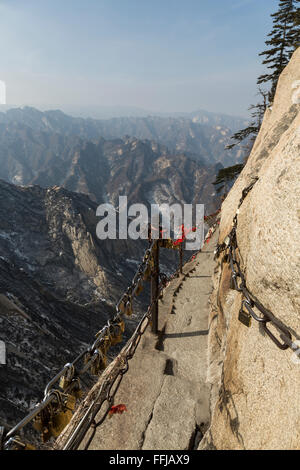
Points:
point(284, 37)
point(295, 34)
point(227, 175)
point(257, 114)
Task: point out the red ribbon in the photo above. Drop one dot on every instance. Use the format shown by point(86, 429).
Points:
point(117, 409)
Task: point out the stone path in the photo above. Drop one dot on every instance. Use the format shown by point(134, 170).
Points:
point(164, 390)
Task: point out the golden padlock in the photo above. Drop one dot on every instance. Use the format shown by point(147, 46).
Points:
point(116, 336)
point(129, 309)
point(66, 379)
point(106, 344)
point(122, 304)
point(147, 272)
point(98, 364)
point(122, 325)
point(151, 262)
point(171, 245)
point(245, 318)
point(43, 422)
point(64, 382)
point(138, 289)
point(227, 241)
point(76, 391)
point(116, 332)
point(62, 418)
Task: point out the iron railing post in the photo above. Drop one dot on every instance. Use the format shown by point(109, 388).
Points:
point(155, 286)
point(181, 251)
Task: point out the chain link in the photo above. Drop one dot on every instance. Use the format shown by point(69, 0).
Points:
point(265, 316)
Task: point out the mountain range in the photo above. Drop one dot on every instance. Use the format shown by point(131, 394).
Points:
point(109, 112)
point(52, 148)
point(200, 136)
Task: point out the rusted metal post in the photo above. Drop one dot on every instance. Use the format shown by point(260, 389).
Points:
point(180, 258)
point(155, 287)
point(149, 233)
point(181, 251)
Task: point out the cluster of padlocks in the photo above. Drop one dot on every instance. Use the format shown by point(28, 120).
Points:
point(55, 411)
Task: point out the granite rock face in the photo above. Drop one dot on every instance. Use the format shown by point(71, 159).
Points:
point(255, 385)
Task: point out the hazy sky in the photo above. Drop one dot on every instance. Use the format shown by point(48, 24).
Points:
point(162, 55)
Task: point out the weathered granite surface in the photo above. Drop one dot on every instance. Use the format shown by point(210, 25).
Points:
point(255, 386)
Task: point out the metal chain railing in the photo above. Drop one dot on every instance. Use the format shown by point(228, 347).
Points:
point(238, 283)
point(54, 412)
point(108, 388)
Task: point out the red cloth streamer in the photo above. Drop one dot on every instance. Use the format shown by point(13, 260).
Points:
point(184, 232)
point(117, 409)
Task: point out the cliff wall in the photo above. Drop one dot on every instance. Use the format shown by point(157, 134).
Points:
point(254, 385)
